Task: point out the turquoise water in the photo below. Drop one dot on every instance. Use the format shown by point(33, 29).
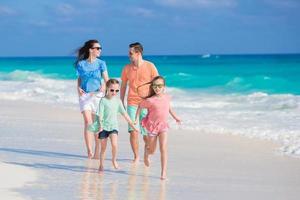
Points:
point(273, 74)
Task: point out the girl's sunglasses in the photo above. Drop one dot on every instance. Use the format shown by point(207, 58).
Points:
point(112, 90)
point(154, 86)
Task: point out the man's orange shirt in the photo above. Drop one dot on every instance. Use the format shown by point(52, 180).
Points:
point(137, 76)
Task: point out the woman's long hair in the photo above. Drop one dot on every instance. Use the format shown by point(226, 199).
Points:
point(84, 52)
point(149, 86)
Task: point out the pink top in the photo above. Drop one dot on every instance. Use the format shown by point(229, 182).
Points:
point(158, 112)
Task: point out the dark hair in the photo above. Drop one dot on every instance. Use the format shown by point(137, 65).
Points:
point(151, 90)
point(83, 52)
point(111, 82)
point(138, 47)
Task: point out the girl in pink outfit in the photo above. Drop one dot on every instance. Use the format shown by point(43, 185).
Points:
point(155, 122)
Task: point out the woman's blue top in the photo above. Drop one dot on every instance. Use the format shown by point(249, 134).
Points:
point(90, 74)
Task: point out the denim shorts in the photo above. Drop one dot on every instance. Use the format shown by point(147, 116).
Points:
point(105, 134)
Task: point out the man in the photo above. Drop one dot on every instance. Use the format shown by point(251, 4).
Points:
point(135, 74)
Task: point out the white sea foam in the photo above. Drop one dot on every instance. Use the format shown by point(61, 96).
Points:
point(275, 117)
point(34, 87)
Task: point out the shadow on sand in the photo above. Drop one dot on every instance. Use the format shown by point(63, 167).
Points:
point(42, 153)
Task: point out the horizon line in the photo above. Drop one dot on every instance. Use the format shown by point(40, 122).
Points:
point(160, 55)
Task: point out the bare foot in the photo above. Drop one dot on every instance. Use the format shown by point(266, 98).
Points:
point(90, 154)
point(101, 169)
point(146, 159)
point(163, 176)
point(96, 157)
point(135, 160)
point(115, 164)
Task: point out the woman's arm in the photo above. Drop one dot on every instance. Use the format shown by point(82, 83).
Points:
point(106, 78)
point(79, 90)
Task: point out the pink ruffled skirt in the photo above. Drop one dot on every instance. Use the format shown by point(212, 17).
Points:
point(154, 127)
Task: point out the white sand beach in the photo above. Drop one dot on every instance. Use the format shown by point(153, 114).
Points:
point(44, 144)
point(14, 177)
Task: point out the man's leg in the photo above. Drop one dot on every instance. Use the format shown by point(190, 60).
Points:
point(134, 135)
point(134, 141)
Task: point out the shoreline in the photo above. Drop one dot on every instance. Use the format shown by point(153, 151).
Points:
point(48, 140)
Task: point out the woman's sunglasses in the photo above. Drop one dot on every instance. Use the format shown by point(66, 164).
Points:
point(112, 90)
point(98, 48)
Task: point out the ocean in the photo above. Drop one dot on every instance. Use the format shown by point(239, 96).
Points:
point(251, 95)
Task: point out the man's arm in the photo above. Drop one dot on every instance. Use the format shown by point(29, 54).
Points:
point(154, 71)
point(123, 90)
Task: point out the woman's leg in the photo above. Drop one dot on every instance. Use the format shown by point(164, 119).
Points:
point(97, 142)
point(103, 143)
point(149, 149)
point(114, 149)
point(88, 136)
point(163, 154)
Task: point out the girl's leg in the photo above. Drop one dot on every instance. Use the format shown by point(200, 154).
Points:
point(88, 136)
point(152, 144)
point(146, 154)
point(103, 143)
point(114, 149)
point(163, 154)
point(150, 149)
point(97, 145)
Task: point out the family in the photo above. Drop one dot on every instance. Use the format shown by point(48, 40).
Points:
point(146, 110)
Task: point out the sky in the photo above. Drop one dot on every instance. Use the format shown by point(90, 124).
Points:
point(164, 27)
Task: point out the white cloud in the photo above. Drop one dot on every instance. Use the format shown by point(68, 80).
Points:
point(284, 3)
point(143, 12)
point(65, 9)
point(139, 11)
point(6, 11)
point(39, 23)
point(91, 2)
point(197, 3)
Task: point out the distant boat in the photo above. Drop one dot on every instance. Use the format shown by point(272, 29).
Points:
point(206, 55)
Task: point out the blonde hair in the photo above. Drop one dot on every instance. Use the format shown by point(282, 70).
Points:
point(111, 82)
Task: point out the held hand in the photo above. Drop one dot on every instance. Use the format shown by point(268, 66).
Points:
point(80, 92)
point(135, 122)
point(135, 129)
point(102, 88)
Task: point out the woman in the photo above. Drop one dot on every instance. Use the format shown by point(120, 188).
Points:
point(90, 70)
